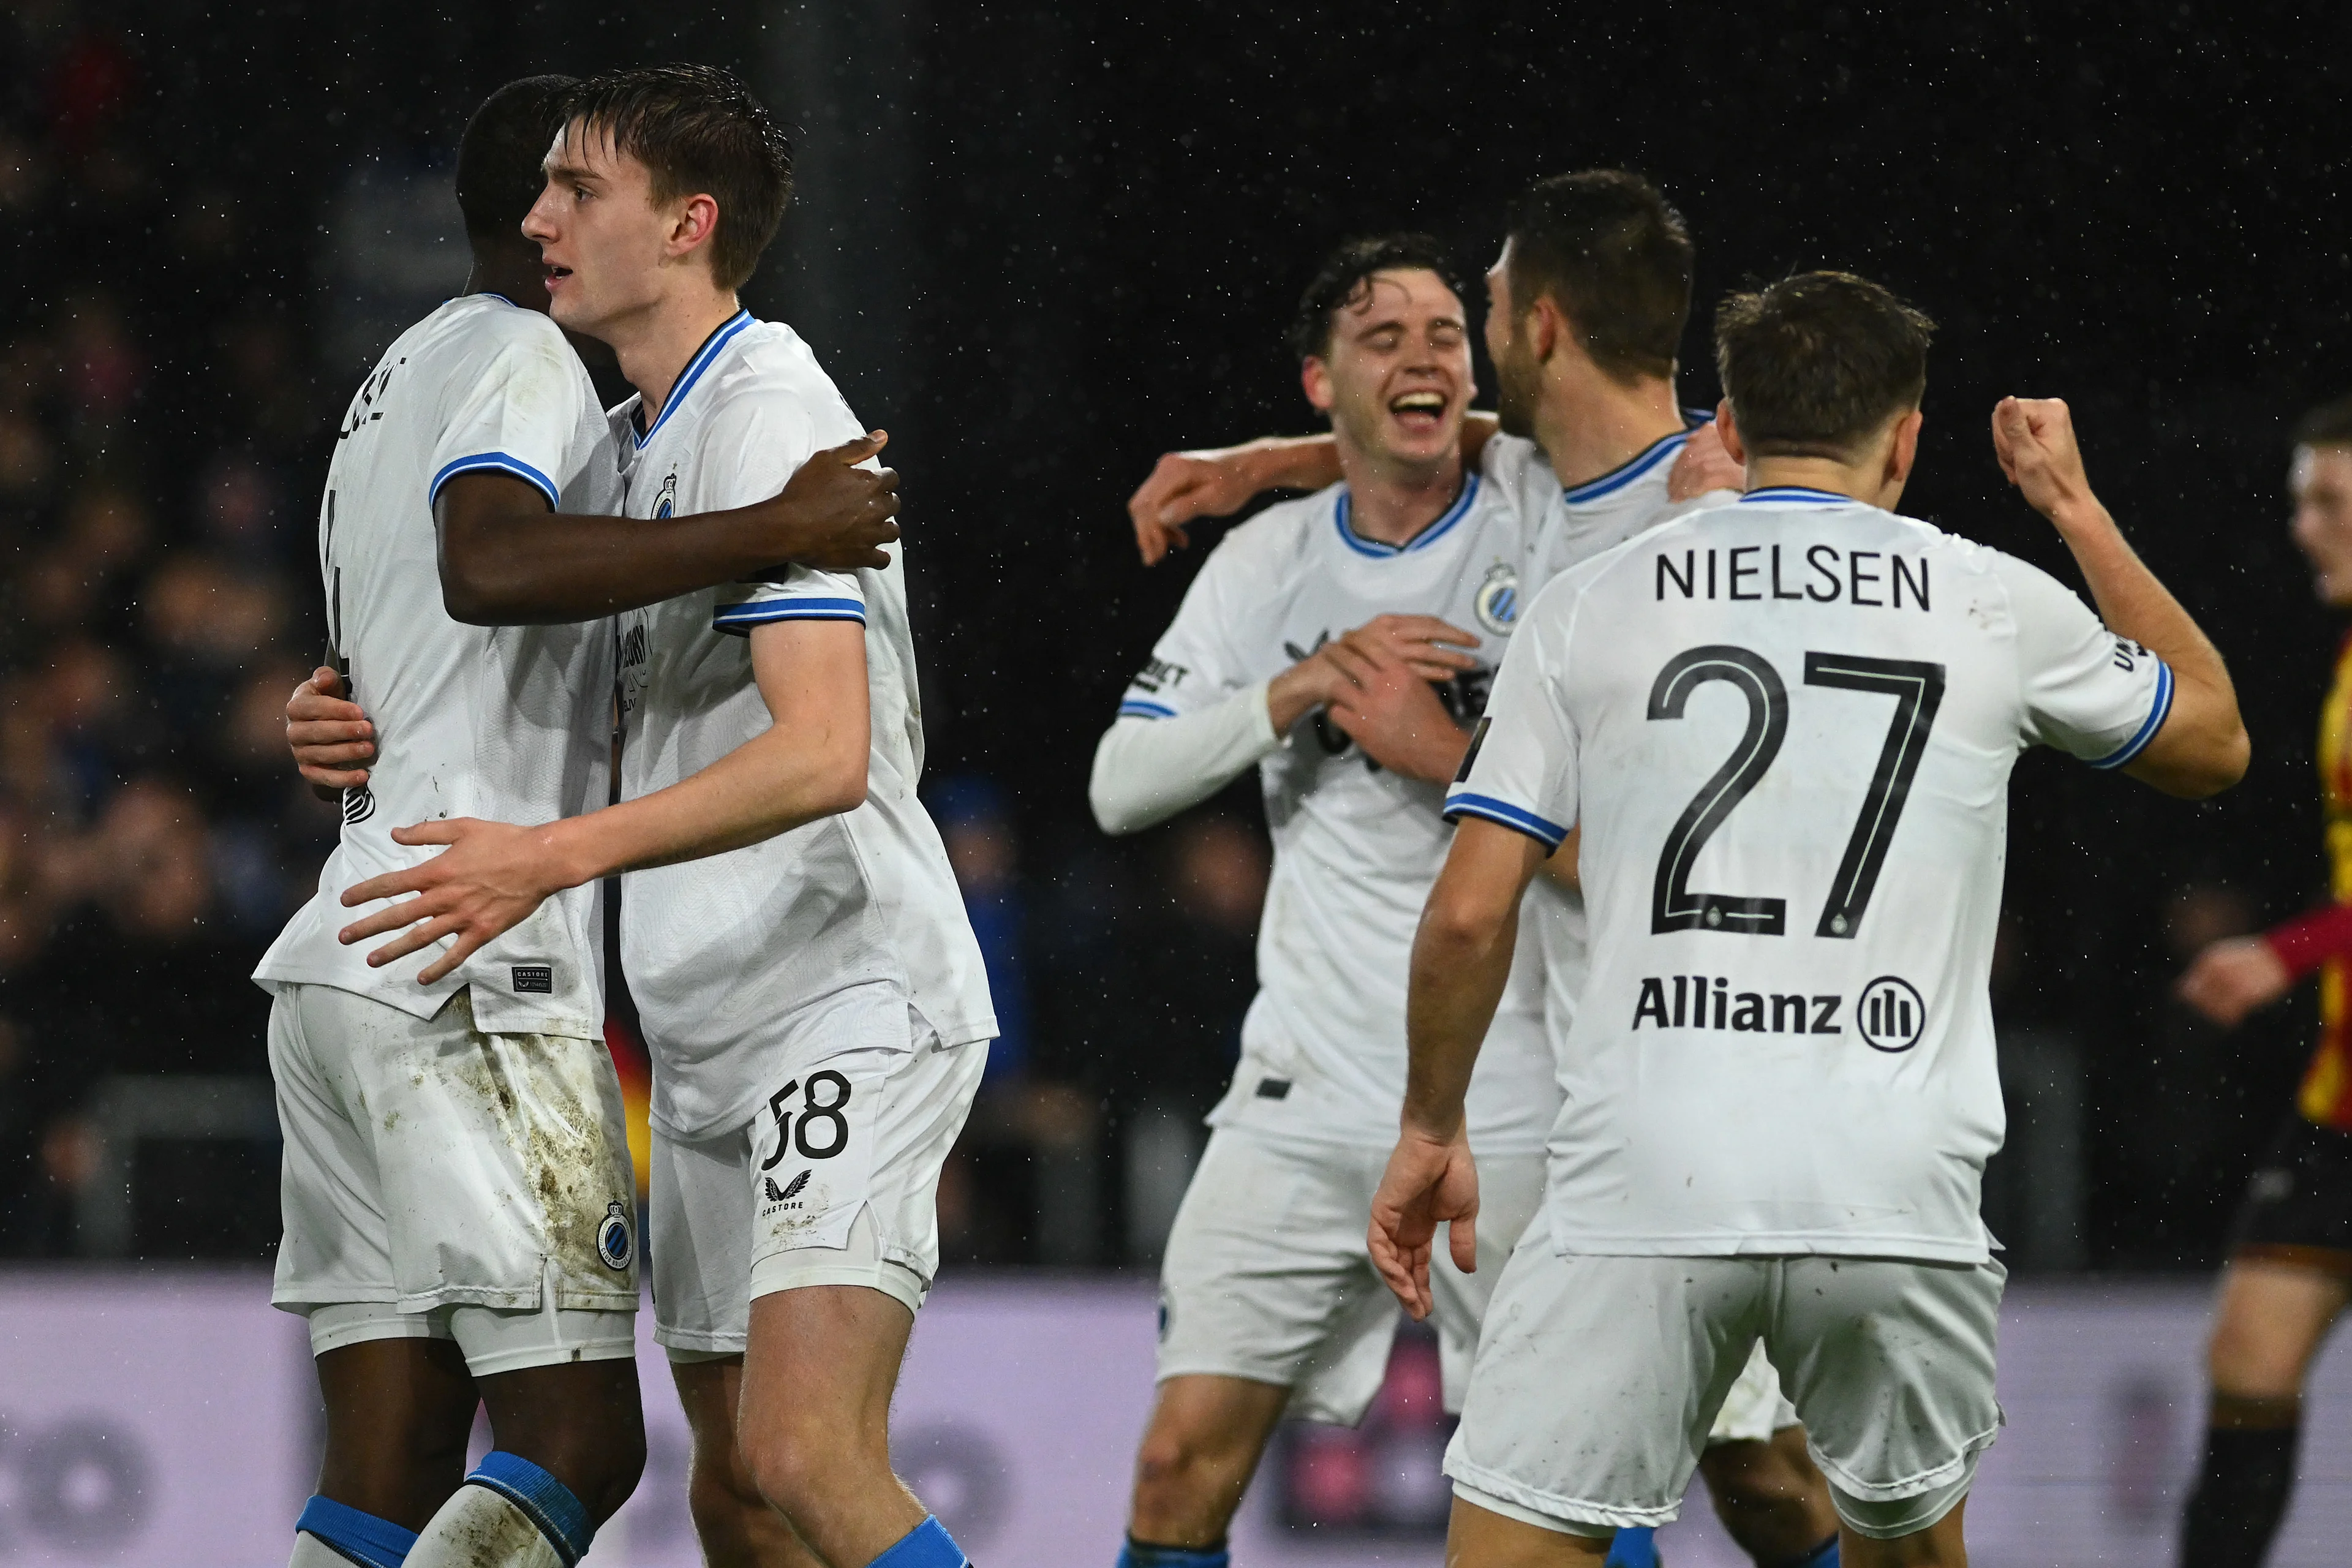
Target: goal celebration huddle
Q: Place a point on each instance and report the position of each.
(1637, 777)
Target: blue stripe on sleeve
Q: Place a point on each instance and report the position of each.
(1135, 708)
(759, 612)
(499, 462)
(1463, 804)
(2157, 712)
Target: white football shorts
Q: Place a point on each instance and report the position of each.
(1755, 1408)
(1268, 1275)
(833, 1181)
(1599, 1377)
(441, 1183)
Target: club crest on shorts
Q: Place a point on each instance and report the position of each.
(1497, 602)
(613, 1243)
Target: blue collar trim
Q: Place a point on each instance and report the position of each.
(720, 336)
(1641, 463)
(1799, 493)
(1428, 536)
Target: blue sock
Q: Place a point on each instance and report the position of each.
(928, 1545)
(362, 1537)
(545, 1500)
(1142, 1554)
(1636, 1548)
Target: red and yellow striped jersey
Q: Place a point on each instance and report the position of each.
(2325, 1097)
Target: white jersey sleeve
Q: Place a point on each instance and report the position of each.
(2084, 690)
(762, 443)
(1520, 769)
(1198, 661)
(520, 416)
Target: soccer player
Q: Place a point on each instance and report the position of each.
(1339, 642)
(1587, 307)
(1785, 726)
(809, 986)
(2289, 1268)
(459, 1211)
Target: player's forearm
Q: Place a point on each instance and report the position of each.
(770, 784)
(1461, 962)
(2205, 721)
(1148, 770)
(1290, 462)
(554, 567)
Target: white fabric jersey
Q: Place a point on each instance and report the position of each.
(734, 945)
(1786, 726)
(503, 723)
(1356, 848)
(1567, 525)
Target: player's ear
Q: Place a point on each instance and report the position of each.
(696, 220)
(1315, 379)
(1904, 449)
(1729, 428)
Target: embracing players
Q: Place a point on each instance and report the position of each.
(2290, 1270)
(460, 1216)
(1587, 307)
(808, 983)
(1785, 728)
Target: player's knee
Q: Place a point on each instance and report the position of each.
(1178, 1470)
(799, 1464)
(2247, 1356)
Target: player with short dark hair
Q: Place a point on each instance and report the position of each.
(460, 1216)
(1784, 727)
(804, 972)
(2289, 1274)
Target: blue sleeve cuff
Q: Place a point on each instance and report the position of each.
(2157, 712)
(1135, 708)
(1462, 804)
(740, 619)
(495, 462)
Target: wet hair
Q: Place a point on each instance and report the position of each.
(1606, 248)
(1346, 276)
(2329, 425)
(499, 158)
(698, 129)
(1817, 363)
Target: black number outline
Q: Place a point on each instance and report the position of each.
(1918, 688)
(1673, 906)
(833, 1113)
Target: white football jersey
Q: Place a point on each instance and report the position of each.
(504, 722)
(1786, 726)
(1356, 848)
(1568, 525)
(735, 946)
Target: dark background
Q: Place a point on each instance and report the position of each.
(1042, 244)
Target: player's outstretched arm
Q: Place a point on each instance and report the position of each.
(330, 735)
(1460, 962)
(2203, 748)
(811, 762)
(1218, 481)
(507, 560)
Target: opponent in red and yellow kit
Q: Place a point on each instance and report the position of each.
(2322, 940)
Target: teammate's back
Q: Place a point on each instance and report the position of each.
(496, 722)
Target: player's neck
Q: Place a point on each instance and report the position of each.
(655, 346)
(513, 276)
(1392, 503)
(1870, 483)
(1587, 423)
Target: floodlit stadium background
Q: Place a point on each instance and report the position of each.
(1041, 247)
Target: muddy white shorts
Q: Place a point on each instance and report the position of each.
(834, 1180)
(1267, 1276)
(428, 1166)
(1598, 1380)
(1755, 1408)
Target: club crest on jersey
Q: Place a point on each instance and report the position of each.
(614, 1245)
(1498, 598)
(667, 502)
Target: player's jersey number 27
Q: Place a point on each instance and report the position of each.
(1918, 691)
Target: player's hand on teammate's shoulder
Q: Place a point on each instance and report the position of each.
(834, 514)
(329, 734)
(2234, 978)
(2034, 437)
(1184, 486)
(486, 880)
(1429, 1182)
(1704, 464)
